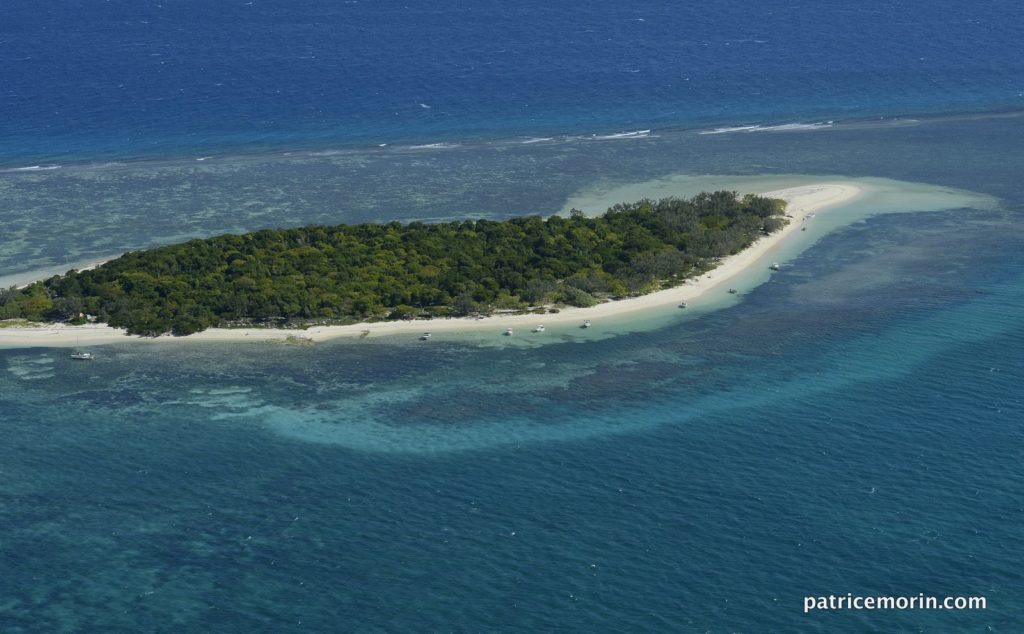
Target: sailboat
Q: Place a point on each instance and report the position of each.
(81, 355)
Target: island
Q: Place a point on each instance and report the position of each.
(59, 311)
(347, 274)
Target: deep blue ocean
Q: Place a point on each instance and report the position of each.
(145, 77)
(853, 425)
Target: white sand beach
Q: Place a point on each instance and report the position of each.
(803, 203)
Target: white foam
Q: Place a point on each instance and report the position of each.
(636, 134)
(742, 128)
(33, 168)
(434, 146)
(784, 127)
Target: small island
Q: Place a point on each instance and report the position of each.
(347, 274)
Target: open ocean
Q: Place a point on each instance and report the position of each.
(853, 425)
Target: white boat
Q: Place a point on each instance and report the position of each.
(425, 336)
(586, 323)
(508, 332)
(83, 356)
(775, 266)
(539, 329)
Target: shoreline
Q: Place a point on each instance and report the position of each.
(803, 203)
(21, 280)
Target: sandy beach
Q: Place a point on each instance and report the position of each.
(803, 203)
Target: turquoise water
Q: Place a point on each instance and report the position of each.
(823, 436)
(851, 425)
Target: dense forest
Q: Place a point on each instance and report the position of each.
(352, 273)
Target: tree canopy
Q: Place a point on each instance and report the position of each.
(366, 272)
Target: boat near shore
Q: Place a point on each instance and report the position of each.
(82, 356)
